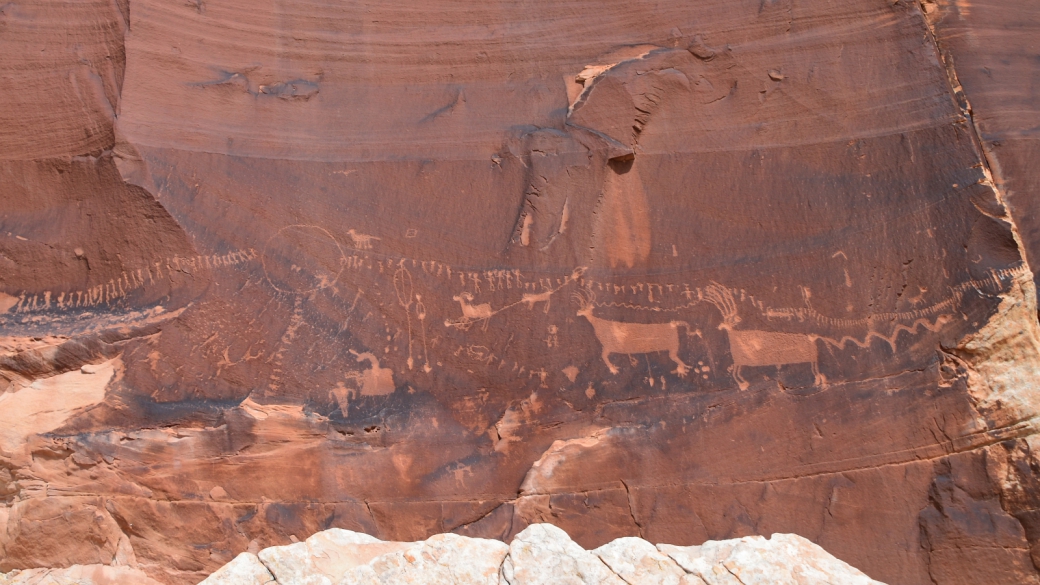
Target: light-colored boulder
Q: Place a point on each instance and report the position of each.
(324, 558)
(543, 553)
(444, 559)
(245, 569)
(784, 559)
(638, 562)
(704, 562)
(79, 575)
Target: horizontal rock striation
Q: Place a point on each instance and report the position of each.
(687, 270)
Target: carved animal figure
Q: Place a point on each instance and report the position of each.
(761, 348)
(376, 381)
(531, 299)
(361, 241)
(480, 312)
(633, 338)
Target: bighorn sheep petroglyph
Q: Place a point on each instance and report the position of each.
(480, 312)
(761, 348)
(633, 338)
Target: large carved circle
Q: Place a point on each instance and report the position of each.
(300, 259)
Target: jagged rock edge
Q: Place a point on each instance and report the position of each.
(692, 561)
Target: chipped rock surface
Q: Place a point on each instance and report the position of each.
(543, 554)
(246, 569)
(443, 559)
(754, 560)
(637, 561)
(323, 558)
(540, 554)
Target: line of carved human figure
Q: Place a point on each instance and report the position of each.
(127, 282)
(748, 347)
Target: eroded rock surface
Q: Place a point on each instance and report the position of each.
(246, 569)
(688, 271)
(82, 575)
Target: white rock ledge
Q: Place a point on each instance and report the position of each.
(541, 554)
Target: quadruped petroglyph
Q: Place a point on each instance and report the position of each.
(635, 338)
(361, 241)
(471, 312)
(602, 318)
(375, 381)
(483, 312)
(607, 327)
(760, 348)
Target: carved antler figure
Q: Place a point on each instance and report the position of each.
(722, 298)
(481, 312)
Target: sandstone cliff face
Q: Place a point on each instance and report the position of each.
(686, 271)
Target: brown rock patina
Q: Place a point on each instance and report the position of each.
(690, 271)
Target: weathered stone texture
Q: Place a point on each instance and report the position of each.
(687, 270)
(542, 553)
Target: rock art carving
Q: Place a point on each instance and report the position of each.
(752, 348)
(749, 348)
(361, 241)
(300, 259)
(531, 299)
(405, 298)
(483, 312)
(471, 312)
(119, 288)
(759, 138)
(634, 338)
(420, 312)
(375, 381)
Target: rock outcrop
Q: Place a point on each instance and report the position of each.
(539, 555)
(687, 270)
(79, 575)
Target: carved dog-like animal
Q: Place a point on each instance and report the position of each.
(633, 338)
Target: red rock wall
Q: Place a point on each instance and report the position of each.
(683, 270)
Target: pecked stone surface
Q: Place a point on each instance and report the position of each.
(689, 271)
(541, 553)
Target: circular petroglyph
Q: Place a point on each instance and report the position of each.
(300, 259)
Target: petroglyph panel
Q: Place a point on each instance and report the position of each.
(713, 263)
